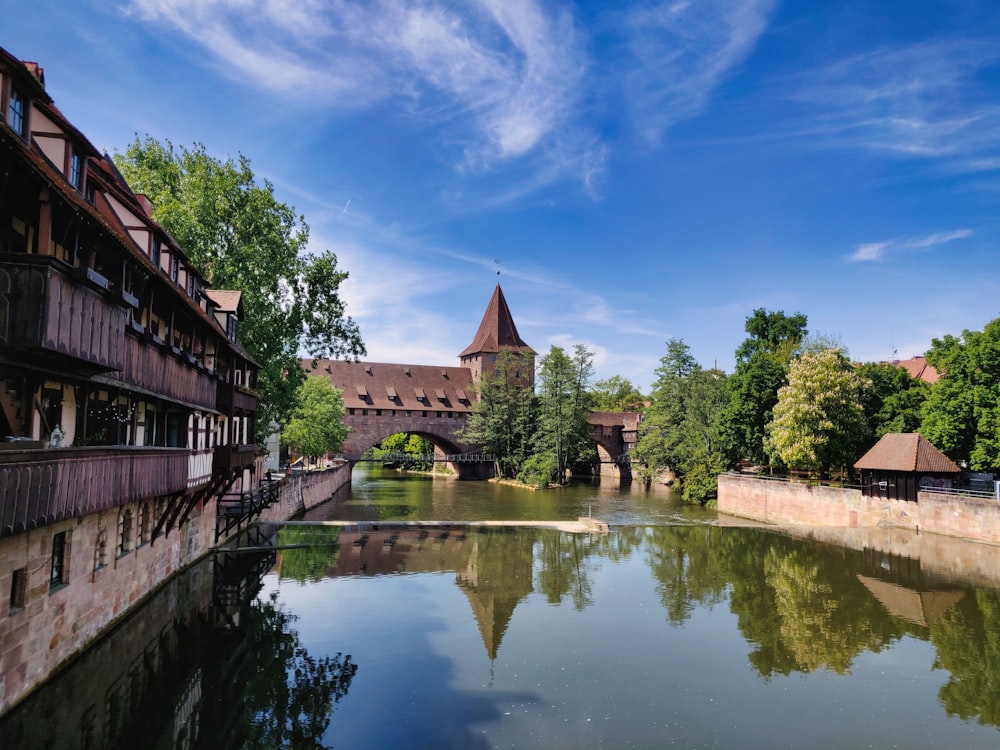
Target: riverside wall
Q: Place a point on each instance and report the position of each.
(800, 504)
(104, 582)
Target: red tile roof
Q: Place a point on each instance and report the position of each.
(910, 452)
(372, 385)
(497, 330)
(919, 369)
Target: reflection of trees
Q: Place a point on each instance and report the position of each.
(687, 571)
(801, 605)
(289, 695)
(967, 639)
(308, 563)
(563, 568)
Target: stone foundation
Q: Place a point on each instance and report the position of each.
(800, 504)
(57, 621)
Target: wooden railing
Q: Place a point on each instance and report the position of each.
(38, 487)
(155, 368)
(230, 399)
(234, 457)
(57, 309)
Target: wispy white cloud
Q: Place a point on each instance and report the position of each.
(682, 51)
(511, 70)
(877, 251)
(923, 100)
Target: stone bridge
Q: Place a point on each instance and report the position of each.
(382, 399)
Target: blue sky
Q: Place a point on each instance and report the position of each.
(641, 170)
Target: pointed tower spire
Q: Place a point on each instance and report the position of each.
(496, 332)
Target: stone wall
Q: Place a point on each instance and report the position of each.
(800, 504)
(58, 621)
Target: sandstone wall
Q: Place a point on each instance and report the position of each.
(58, 621)
(801, 504)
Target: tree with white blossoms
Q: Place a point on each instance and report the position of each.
(818, 422)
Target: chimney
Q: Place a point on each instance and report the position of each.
(36, 70)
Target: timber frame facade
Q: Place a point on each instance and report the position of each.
(127, 403)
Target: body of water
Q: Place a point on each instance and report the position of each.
(672, 630)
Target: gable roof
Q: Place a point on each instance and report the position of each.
(918, 368)
(910, 451)
(497, 330)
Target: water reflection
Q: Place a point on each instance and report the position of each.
(486, 637)
(205, 663)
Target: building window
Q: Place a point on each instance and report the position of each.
(143, 536)
(125, 532)
(155, 253)
(175, 267)
(15, 113)
(18, 587)
(57, 573)
(76, 170)
(351, 411)
(101, 550)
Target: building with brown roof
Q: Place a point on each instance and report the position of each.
(900, 464)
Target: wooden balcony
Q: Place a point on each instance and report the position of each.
(40, 486)
(53, 309)
(155, 368)
(231, 399)
(234, 457)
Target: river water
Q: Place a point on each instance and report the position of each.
(675, 629)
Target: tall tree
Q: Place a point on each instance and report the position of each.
(503, 416)
(563, 407)
(961, 415)
(818, 421)
(240, 236)
(680, 429)
(891, 399)
(316, 425)
(761, 365)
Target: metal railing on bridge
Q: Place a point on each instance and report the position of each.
(427, 458)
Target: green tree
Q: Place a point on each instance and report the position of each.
(563, 408)
(761, 365)
(233, 228)
(961, 415)
(503, 416)
(891, 399)
(680, 428)
(616, 394)
(316, 425)
(818, 421)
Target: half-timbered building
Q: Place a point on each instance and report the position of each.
(127, 404)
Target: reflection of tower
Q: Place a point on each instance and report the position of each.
(498, 576)
(496, 333)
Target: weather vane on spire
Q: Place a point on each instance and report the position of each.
(498, 270)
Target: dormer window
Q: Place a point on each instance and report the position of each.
(231, 327)
(15, 113)
(155, 256)
(76, 170)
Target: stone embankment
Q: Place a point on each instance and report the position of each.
(107, 575)
(799, 504)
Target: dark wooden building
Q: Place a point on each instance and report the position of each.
(899, 465)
